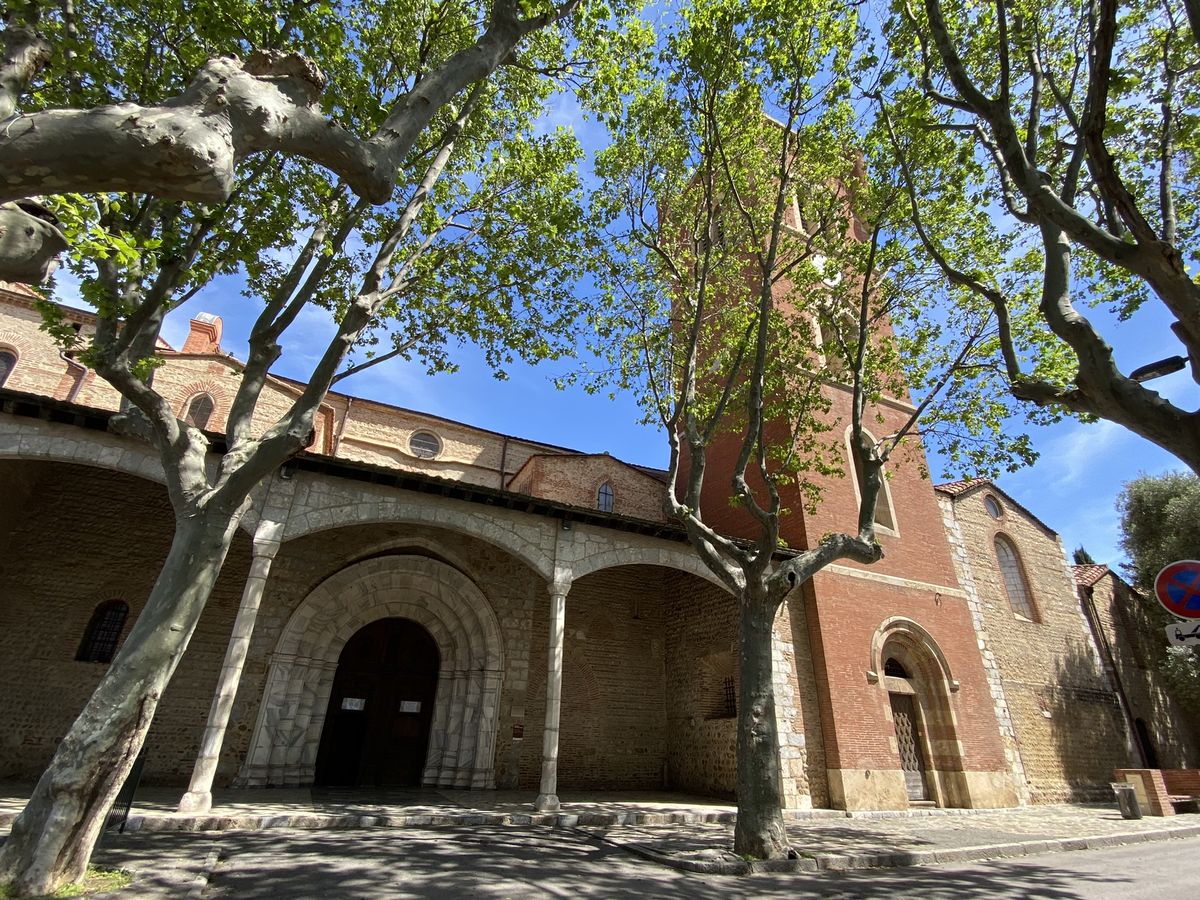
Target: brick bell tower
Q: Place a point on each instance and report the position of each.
(885, 701)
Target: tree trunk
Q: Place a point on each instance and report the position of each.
(53, 838)
(759, 832)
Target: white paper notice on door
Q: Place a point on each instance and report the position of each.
(410, 706)
(354, 703)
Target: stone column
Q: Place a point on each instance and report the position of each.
(547, 798)
(198, 798)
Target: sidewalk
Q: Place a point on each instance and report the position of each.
(886, 841)
(688, 833)
(257, 808)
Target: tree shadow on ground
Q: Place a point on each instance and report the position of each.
(496, 861)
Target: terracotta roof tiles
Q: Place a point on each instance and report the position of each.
(954, 488)
(1088, 575)
(16, 288)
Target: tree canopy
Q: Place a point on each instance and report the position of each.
(1159, 526)
(1160, 523)
(386, 162)
(765, 309)
(1049, 151)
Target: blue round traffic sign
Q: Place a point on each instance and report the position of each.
(1177, 588)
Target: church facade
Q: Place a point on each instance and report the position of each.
(416, 601)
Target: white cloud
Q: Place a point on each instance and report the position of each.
(1075, 453)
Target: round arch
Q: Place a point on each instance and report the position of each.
(680, 560)
(287, 734)
(80, 448)
(95, 450)
(911, 634)
(530, 542)
(929, 684)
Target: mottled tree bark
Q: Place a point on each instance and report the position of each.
(188, 146)
(52, 839)
(759, 832)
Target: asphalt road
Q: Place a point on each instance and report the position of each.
(524, 864)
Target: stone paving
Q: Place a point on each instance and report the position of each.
(690, 833)
(918, 838)
(254, 808)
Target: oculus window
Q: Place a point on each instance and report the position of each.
(425, 444)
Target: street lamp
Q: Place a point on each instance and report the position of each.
(1158, 369)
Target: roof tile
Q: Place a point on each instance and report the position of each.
(1088, 575)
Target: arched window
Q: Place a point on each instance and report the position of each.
(1015, 584)
(894, 668)
(605, 497)
(885, 515)
(103, 632)
(8, 362)
(199, 411)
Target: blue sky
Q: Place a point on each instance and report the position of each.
(1073, 487)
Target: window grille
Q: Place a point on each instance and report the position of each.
(199, 411)
(425, 444)
(103, 632)
(730, 698)
(8, 362)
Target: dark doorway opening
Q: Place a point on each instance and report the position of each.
(376, 731)
(1149, 754)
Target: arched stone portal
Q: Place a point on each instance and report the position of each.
(918, 682)
(287, 735)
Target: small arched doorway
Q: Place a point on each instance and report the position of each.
(923, 734)
(1149, 754)
(380, 709)
(909, 739)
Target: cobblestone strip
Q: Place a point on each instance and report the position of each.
(200, 883)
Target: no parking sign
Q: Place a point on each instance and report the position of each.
(1177, 588)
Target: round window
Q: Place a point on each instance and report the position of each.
(425, 444)
(992, 505)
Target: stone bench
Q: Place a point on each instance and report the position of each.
(1164, 792)
(1183, 788)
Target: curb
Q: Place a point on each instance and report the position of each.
(200, 881)
(842, 862)
(191, 823)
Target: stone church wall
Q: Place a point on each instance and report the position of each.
(107, 535)
(1136, 658)
(804, 760)
(1069, 729)
(613, 733)
(700, 625)
(509, 587)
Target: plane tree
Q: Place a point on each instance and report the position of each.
(387, 162)
(1159, 526)
(756, 276)
(1049, 151)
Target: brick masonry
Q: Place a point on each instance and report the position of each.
(67, 514)
(650, 640)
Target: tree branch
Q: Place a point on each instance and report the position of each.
(24, 52)
(187, 147)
